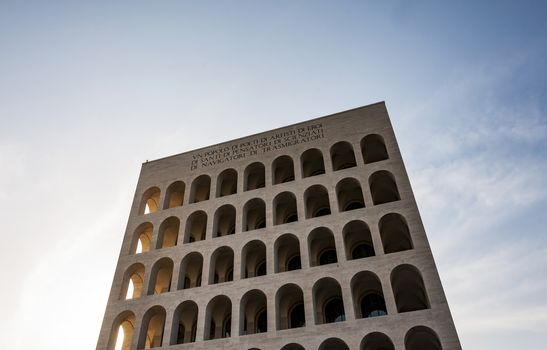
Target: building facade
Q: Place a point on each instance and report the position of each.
(303, 237)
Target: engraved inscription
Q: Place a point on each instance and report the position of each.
(257, 146)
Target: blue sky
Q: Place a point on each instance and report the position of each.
(90, 90)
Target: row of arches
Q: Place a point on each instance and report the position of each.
(312, 163)
(327, 300)
(322, 250)
(284, 209)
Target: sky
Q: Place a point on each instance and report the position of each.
(90, 90)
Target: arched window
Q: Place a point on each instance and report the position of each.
(153, 322)
(327, 301)
(368, 298)
(218, 316)
(227, 183)
(222, 265)
(190, 271)
(333, 344)
(373, 148)
(282, 170)
(225, 221)
(420, 338)
(350, 195)
(376, 341)
(383, 187)
(174, 196)
(255, 176)
(321, 246)
(196, 226)
(201, 188)
(184, 323)
(122, 331)
(293, 346)
(357, 240)
(284, 206)
(142, 241)
(342, 156)
(132, 282)
(253, 259)
(316, 200)
(408, 289)
(287, 253)
(253, 313)
(161, 273)
(254, 215)
(312, 163)
(169, 232)
(289, 303)
(395, 233)
(150, 201)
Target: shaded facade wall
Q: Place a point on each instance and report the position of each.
(322, 133)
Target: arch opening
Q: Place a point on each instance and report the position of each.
(342, 156)
(174, 196)
(184, 324)
(142, 241)
(327, 301)
(282, 170)
(368, 297)
(373, 148)
(196, 226)
(122, 331)
(201, 187)
(312, 163)
(222, 265)
(383, 187)
(225, 221)
(190, 271)
(132, 282)
(333, 344)
(253, 259)
(408, 289)
(316, 201)
(218, 318)
(150, 201)
(394, 233)
(422, 338)
(227, 183)
(160, 278)
(169, 232)
(254, 215)
(255, 176)
(284, 206)
(357, 240)
(153, 324)
(322, 249)
(287, 253)
(349, 194)
(253, 313)
(376, 341)
(289, 303)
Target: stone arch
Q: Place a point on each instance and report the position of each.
(357, 240)
(287, 253)
(153, 323)
(368, 297)
(160, 276)
(282, 170)
(150, 201)
(132, 282)
(224, 223)
(142, 238)
(422, 338)
(191, 268)
(227, 183)
(327, 301)
(201, 188)
(289, 306)
(218, 316)
(342, 156)
(184, 324)
(333, 344)
(253, 313)
(312, 163)
(253, 259)
(254, 214)
(254, 176)
(316, 201)
(394, 233)
(196, 227)
(383, 187)
(376, 341)
(169, 232)
(221, 268)
(174, 195)
(408, 289)
(121, 334)
(284, 208)
(322, 249)
(373, 148)
(349, 194)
